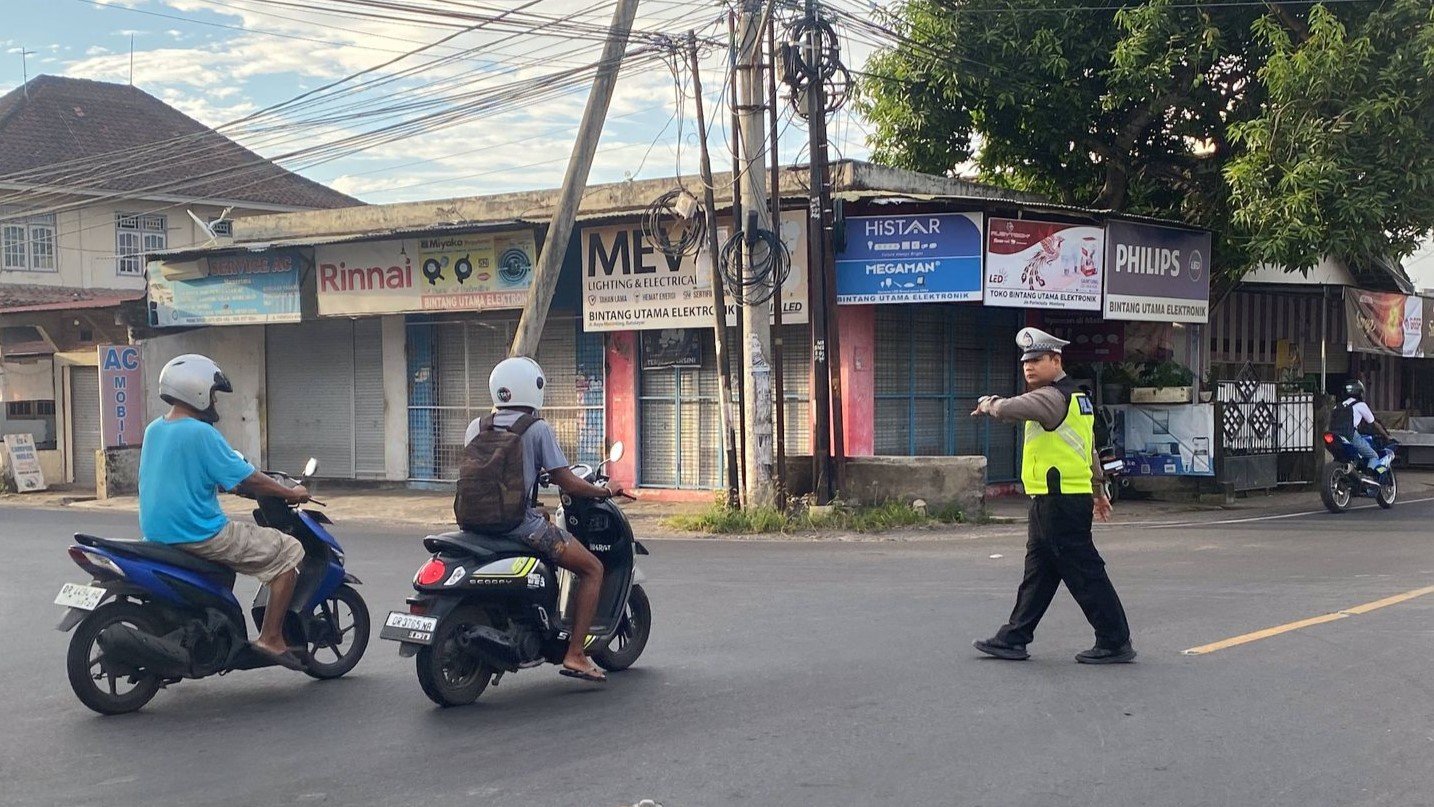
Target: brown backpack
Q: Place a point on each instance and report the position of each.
(492, 497)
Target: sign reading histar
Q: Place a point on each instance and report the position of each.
(924, 257)
(1157, 274)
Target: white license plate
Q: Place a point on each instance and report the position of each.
(75, 595)
(405, 627)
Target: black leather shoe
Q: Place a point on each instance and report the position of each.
(1000, 649)
(1104, 655)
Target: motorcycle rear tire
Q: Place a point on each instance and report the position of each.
(623, 649)
(1388, 491)
(444, 668)
(1331, 481)
(80, 660)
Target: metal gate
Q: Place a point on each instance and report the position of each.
(678, 416)
(85, 422)
(449, 362)
(324, 383)
(1267, 433)
(932, 362)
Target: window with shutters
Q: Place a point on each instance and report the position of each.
(27, 244)
(137, 235)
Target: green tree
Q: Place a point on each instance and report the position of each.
(1293, 131)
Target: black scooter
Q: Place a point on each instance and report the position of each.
(487, 606)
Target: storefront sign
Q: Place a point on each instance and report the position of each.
(121, 396)
(1166, 440)
(920, 258)
(630, 286)
(24, 463)
(442, 273)
(671, 347)
(1043, 264)
(248, 289)
(1157, 274)
(1392, 324)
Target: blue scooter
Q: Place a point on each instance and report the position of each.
(1347, 476)
(156, 614)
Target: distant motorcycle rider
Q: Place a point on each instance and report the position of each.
(1349, 419)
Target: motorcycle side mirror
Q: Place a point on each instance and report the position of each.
(615, 453)
(310, 467)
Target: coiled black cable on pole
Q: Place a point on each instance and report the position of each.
(675, 224)
(770, 264)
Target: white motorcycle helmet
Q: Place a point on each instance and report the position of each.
(517, 382)
(193, 380)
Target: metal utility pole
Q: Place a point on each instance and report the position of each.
(779, 381)
(822, 475)
(719, 294)
(736, 148)
(759, 459)
(560, 229)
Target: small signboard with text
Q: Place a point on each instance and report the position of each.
(1156, 274)
(257, 288)
(917, 258)
(1044, 264)
(121, 396)
(24, 463)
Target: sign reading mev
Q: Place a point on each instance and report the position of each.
(1157, 274)
(630, 286)
(121, 396)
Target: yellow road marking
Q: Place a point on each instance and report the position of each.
(1305, 623)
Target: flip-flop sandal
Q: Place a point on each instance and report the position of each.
(285, 659)
(584, 675)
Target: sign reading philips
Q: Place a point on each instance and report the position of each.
(918, 258)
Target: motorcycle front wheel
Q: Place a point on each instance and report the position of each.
(449, 674)
(1388, 490)
(622, 650)
(1334, 488)
(91, 675)
(341, 634)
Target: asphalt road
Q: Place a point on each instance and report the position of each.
(803, 673)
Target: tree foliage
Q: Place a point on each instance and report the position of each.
(1293, 131)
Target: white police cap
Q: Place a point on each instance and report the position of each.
(1034, 342)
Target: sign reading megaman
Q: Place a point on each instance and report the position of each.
(1043, 264)
(121, 396)
(918, 258)
(462, 272)
(1156, 274)
(629, 286)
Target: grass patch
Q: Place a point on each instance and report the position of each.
(722, 520)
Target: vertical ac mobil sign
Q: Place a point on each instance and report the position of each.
(121, 396)
(917, 258)
(1156, 274)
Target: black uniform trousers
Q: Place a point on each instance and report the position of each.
(1059, 549)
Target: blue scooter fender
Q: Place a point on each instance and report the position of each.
(113, 588)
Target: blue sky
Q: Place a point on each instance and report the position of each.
(218, 60)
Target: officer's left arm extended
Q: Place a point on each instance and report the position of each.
(1046, 406)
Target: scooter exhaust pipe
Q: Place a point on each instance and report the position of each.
(135, 648)
(492, 645)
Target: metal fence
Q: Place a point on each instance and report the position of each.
(1267, 433)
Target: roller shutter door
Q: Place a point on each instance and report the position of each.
(85, 422)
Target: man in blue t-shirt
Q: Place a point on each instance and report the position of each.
(183, 463)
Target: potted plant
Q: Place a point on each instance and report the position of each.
(1164, 382)
(1115, 381)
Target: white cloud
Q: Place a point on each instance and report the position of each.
(96, 50)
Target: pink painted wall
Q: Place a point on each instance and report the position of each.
(857, 326)
(622, 403)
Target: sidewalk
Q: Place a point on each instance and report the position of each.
(410, 511)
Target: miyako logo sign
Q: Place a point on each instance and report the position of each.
(1157, 274)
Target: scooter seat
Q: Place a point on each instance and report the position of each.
(160, 553)
(476, 544)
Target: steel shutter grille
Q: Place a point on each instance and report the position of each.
(85, 421)
(310, 394)
(369, 435)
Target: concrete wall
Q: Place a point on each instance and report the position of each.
(395, 399)
(857, 327)
(117, 472)
(621, 404)
(940, 481)
(240, 351)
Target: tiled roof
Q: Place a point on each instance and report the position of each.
(16, 297)
(54, 120)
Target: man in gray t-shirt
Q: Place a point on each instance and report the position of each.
(517, 384)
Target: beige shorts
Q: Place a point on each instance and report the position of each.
(261, 552)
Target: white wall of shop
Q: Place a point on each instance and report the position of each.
(395, 398)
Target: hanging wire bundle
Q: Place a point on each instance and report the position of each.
(675, 224)
(799, 74)
(768, 261)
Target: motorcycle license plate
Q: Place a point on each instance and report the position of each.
(402, 626)
(75, 595)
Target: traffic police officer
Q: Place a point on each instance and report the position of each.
(1062, 475)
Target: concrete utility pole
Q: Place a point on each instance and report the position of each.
(759, 459)
(560, 229)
